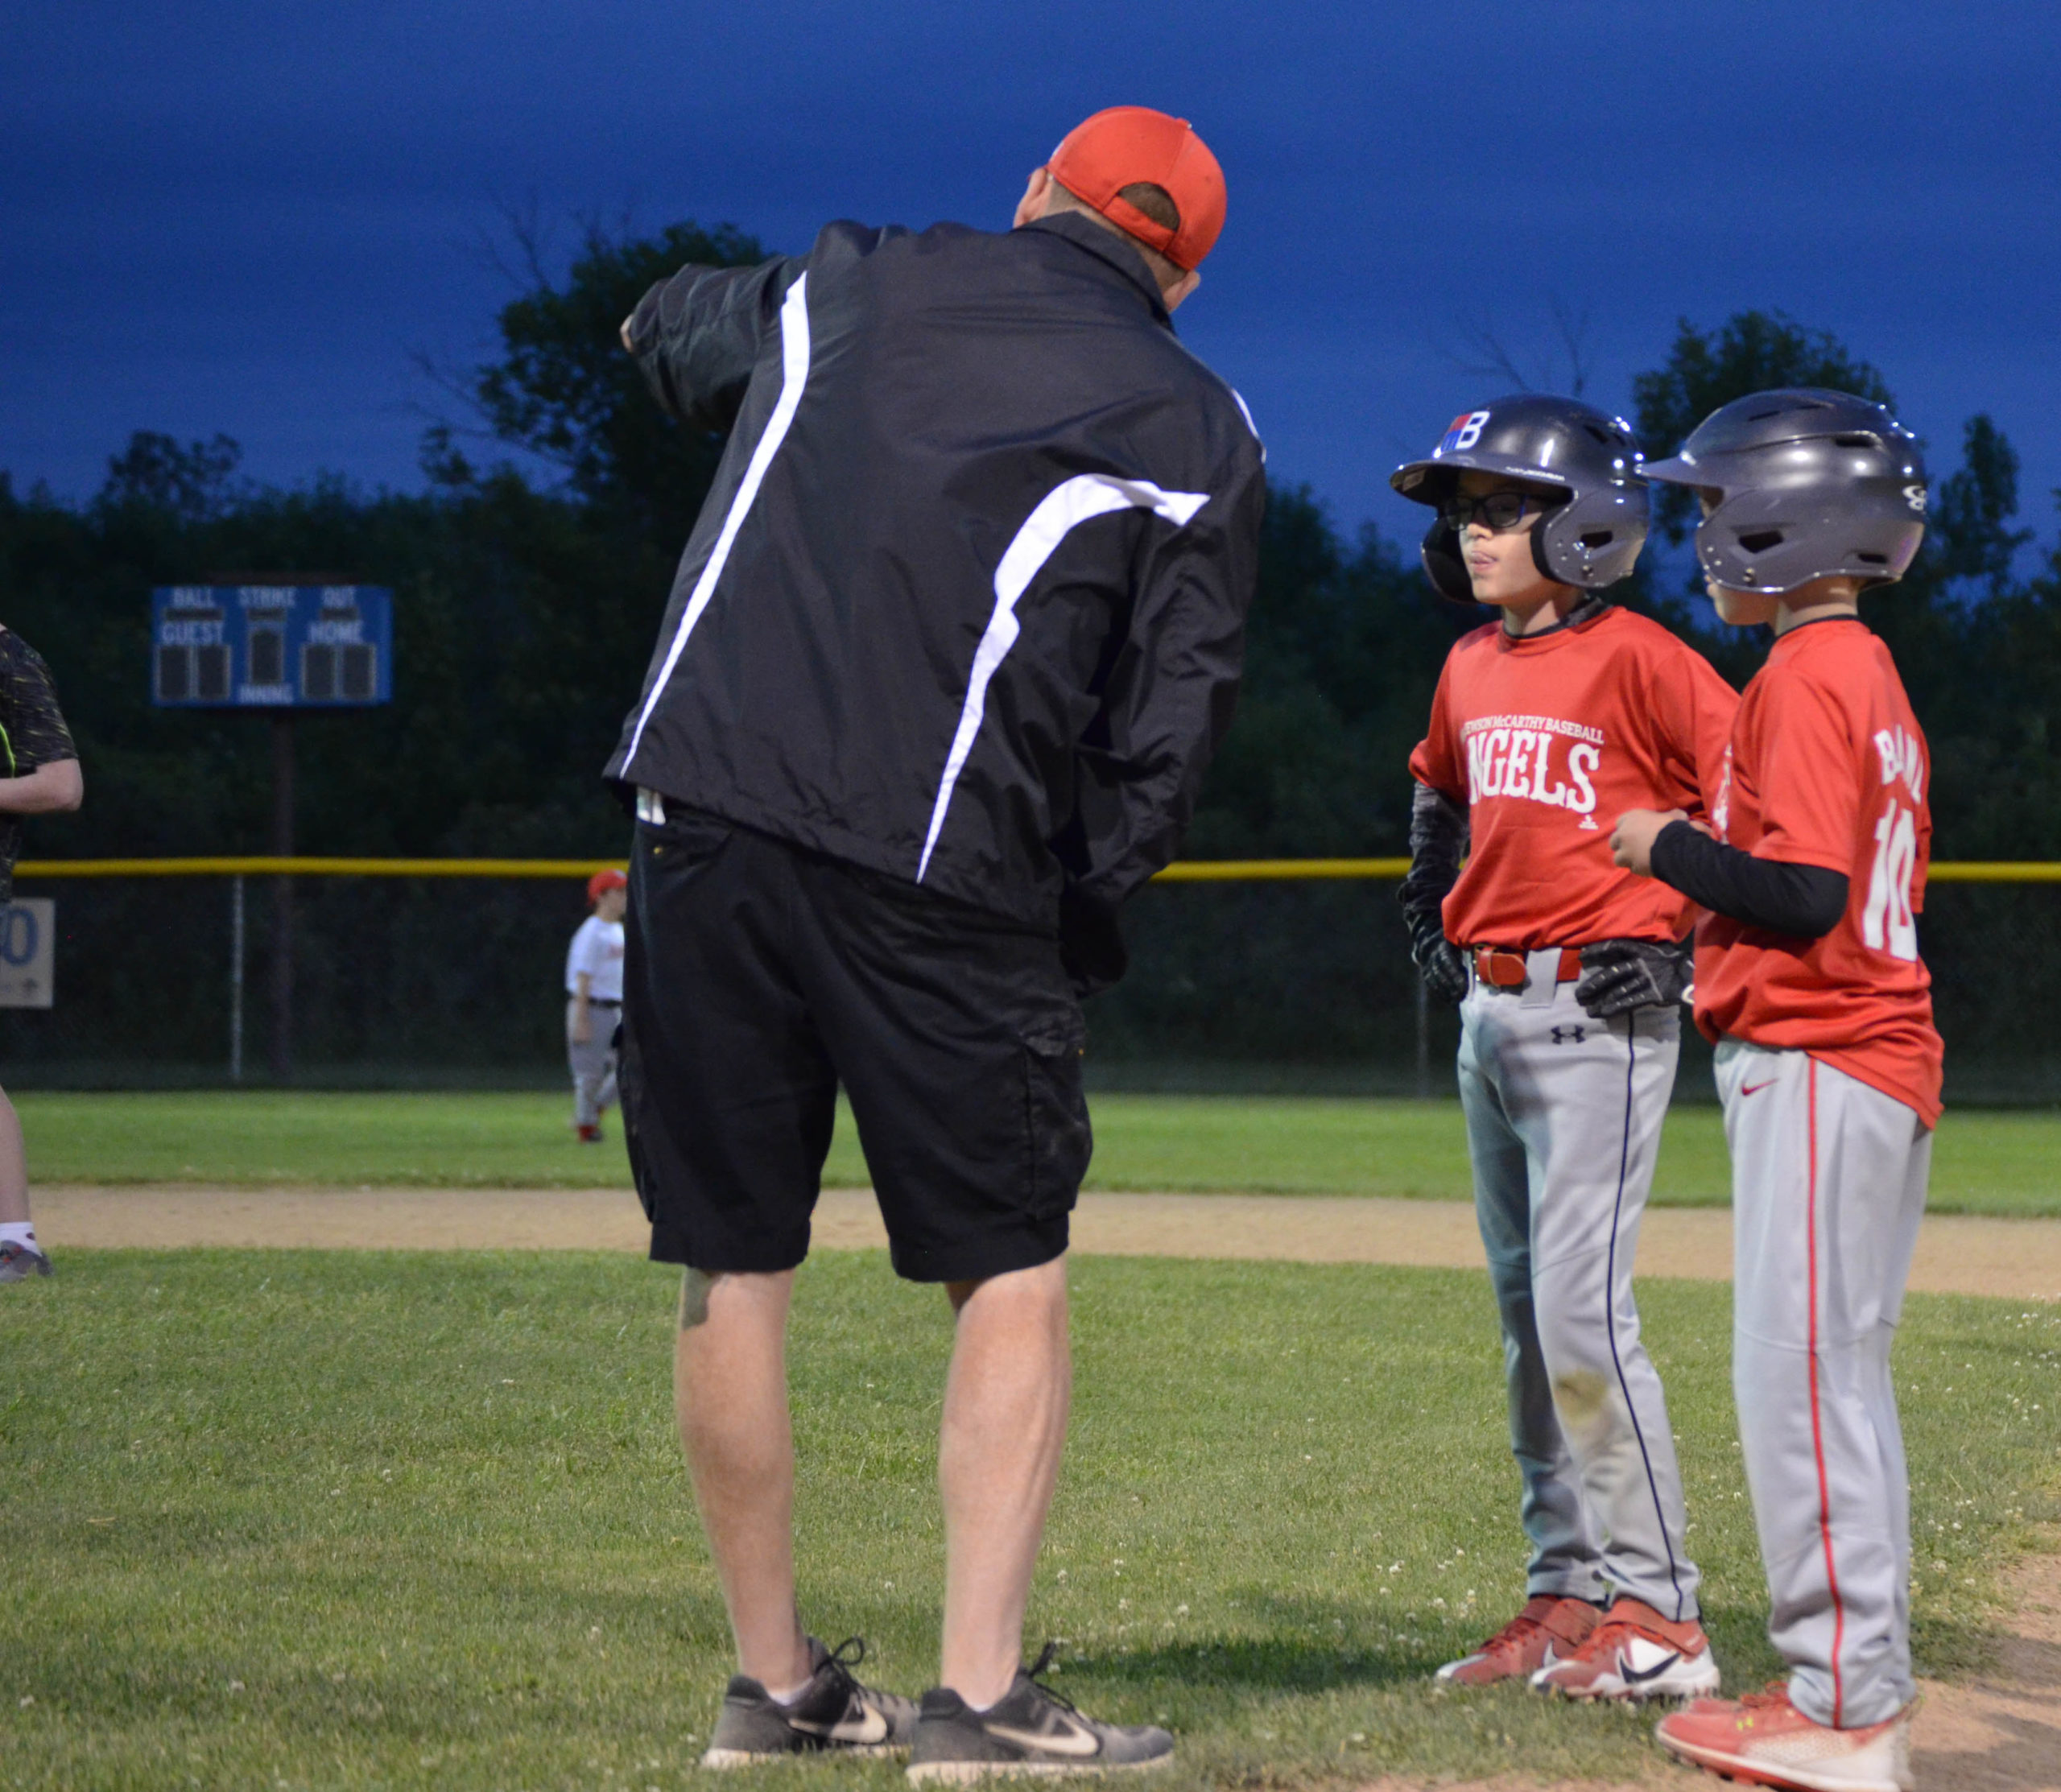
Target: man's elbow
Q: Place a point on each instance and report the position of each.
(67, 785)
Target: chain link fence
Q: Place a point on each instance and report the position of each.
(1269, 979)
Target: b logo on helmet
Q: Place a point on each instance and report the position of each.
(1464, 432)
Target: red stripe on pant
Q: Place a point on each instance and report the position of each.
(1817, 1427)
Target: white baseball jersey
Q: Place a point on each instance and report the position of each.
(597, 951)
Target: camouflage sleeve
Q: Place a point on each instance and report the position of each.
(32, 730)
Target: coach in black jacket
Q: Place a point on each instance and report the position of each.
(949, 648)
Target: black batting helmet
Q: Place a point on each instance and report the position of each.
(1591, 539)
(1803, 484)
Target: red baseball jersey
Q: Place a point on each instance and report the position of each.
(1828, 767)
(1548, 741)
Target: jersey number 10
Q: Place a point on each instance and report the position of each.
(1887, 920)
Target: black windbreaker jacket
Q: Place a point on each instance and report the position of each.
(966, 604)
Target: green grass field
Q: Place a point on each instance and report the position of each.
(297, 1519)
(2003, 1162)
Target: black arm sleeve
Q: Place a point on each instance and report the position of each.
(697, 336)
(1805, 901)
(1437, 842)
(1171, 686)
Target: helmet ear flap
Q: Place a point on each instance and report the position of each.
(1444, 565)
(1537, 534)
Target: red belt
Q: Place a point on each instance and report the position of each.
(1503, 969)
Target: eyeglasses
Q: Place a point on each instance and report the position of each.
(1497, 511)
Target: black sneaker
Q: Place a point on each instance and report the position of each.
(18, 1262)
(834, 1712)
(1030, 1731)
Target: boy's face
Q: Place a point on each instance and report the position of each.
(611, 904)
(1743, 609)
(1498, 561)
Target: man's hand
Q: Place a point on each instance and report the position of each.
(1631, 841)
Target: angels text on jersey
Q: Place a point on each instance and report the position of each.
(1537, 758)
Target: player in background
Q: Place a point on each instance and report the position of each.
(594, 1002)
(1809, 980)
(39, 775)
(1568, 971)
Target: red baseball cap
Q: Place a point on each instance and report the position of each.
(602, 881)
(1106, 153)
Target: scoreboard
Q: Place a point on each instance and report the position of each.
(271, 647)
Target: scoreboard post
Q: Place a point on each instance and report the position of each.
(280, 645)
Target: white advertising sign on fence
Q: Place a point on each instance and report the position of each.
(28, 953)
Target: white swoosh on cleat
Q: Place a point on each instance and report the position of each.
(1073, 1741)
(871, 1729)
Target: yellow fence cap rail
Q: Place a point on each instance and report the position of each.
(258, 866)
(1186, 871)
(1995, 871)
(1211, 871)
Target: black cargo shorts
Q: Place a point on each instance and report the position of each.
(758, 975)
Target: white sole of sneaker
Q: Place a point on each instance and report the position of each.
(720, 1758)
(1692, 1679)
(969, 1772)
(1760, 1773)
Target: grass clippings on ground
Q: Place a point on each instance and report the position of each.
(296, 1519)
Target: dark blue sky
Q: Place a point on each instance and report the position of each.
(243, 217)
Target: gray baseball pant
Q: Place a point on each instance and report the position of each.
(1563, 1115)
(1827, 1187)
(593, 1063)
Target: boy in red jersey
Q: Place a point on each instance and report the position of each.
(1808, 979)
(1568, 971)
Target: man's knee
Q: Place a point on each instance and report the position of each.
(1040, 1288)
(750, 1296)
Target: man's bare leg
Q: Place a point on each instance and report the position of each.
(14, 1167)
(998, 1460)
(730, 1393)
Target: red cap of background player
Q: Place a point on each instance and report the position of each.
(604, 880)
(1101, 156)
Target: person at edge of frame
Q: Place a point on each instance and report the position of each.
(1809, 983)
(594, 1002)
(1569, 972)
(953, 639)
(39, 774)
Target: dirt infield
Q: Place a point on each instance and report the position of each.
(2013, 1259)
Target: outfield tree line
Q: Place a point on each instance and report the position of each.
(529, 590)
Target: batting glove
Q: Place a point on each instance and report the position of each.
(1620, 975)
(1438, 961)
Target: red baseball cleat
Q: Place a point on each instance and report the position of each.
(1549, 1629)
(588, 1135)
(1635, 1654)
(1765, 1740)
